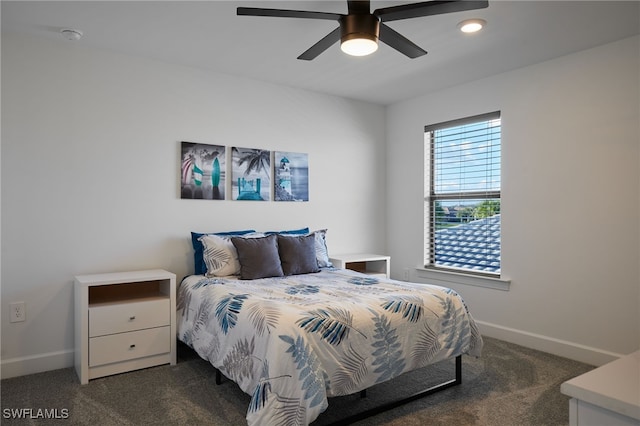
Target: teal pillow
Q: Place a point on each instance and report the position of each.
(301, 231)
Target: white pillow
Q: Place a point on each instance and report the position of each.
(220, 256)
(322, 253)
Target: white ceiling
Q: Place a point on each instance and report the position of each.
(209, 35)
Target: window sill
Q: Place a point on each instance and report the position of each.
(446, 278)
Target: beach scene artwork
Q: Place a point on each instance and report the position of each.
(291, 176)
(251, 173)
(203, 171)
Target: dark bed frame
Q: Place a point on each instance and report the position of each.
(393, 404)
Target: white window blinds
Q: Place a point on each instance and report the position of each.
(462, 201)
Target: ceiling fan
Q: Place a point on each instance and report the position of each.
(360, 30)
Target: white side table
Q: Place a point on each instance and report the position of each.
(608, 395)
(124, 321)
(371, 264)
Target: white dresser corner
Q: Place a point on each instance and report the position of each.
(608, 395)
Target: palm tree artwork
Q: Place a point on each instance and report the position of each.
(251, 170)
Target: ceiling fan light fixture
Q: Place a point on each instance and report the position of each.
(359, 34)
(361, 29)
(472, 25)
(359, 46)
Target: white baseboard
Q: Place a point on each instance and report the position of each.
(21, 366)
(563, 348)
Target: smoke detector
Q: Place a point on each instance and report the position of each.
(71, 34)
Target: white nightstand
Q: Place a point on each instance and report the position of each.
(608, 395)
(124, 321)
(371, 264)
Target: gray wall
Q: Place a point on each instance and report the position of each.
(90, 183)
(570, 199)
(90, 175)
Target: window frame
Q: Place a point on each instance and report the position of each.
(432, 198)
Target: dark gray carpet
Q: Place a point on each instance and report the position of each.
(508, 385)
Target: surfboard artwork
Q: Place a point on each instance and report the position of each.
(202, 171)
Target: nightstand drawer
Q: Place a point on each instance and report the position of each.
(126, 346)
(122, 317)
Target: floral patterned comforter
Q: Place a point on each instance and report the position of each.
(291, 342)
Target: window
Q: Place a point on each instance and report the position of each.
(462, 195)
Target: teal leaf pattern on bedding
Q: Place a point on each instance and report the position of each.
(211, 348)
(303, 289)
(452, 319)
(239, 362)
(261, 393)
(228, 309)
(308, 366)
(353, 369)
(331, 324)
(290, 412)
(387, 352)
(292, 342)
(202, 316)
(208, 281)
(183, 296)
(364, 280)
(263, 316)
(410, 307)
(426, 346)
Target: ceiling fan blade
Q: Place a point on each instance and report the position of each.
(400, 42)
(426, 8)
(285, 13)
(321, 46)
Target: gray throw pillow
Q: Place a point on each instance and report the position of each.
(258, 257)
(298, 254)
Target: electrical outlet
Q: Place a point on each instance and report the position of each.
(17, 312)
(407, 274)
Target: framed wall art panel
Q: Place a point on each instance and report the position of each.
(251, 173)
(203, 171)
(291, 176)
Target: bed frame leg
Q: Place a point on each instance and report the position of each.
(394, 404)
(218, 377)
(363, 393)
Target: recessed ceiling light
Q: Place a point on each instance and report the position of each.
(472, 25)
(71, 34)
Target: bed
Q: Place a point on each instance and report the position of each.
(292, 340)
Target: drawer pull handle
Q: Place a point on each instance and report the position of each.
(132, 318)
(132, 346)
